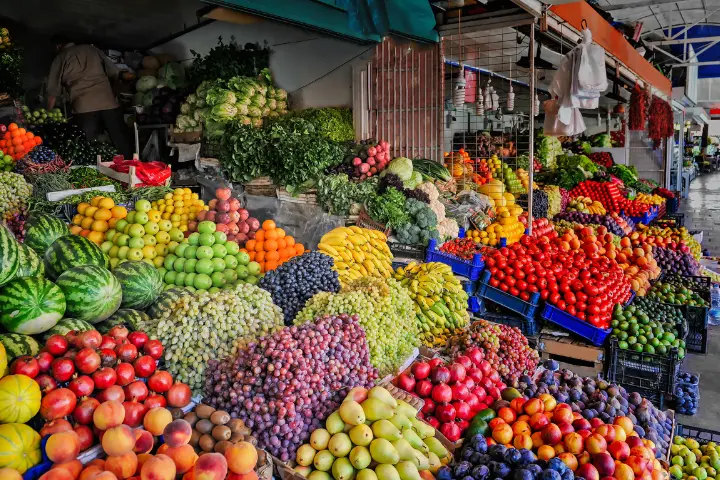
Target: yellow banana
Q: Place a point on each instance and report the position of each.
(329, 249)
(358, 256)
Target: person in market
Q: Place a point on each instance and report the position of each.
(85, 73)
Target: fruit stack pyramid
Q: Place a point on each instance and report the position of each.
(507, 223)
(94, 219)
(272, 246)
(142, 235)
(16, 141)
(371, 436)
(358, 252)
(180, 207)
(512, 182)
(225, 210)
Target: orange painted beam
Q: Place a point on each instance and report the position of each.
(612, 41)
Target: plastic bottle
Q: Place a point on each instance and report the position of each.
(715, 305)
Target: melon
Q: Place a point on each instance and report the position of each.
(9, 260)
(29, 264)
(165, 301)
(66, 325)
(72, 251)
(17, 345)
(91, 292)
(132, 319)
(42, 230)
(19, 447)
(19, 399)
(30, 305)
(141, 283)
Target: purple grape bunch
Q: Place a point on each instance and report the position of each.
(284, 385)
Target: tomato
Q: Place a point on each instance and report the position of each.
(521, 285)
(544, 294)
(560, 304)
(525, 296)
(514, 291)
(570, 310)
(504, 287)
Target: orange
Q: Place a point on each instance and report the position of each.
(262, 267)
(112, 222)
(260, 257)
(38, 140)
(102, 214)
(29, 135)
(299, 249)
(271, 235)
(90, 211)
(289, 241)
(250, 245)
(283, 254)
(271, 265)
(272, 256)
(81, 207)
(289, 252)
(75, 229)
(16, 141)
(12, 127)
(87, 222)
(95, 201)
(84, 233)
(99, 226)
(106, 203)
(77, 219)
(252, 256)
(259, 247)
(21, 131)
(268, 225)
(96, 237)
(260, 235)
(271, 245)
(280, 232)
(281, 243)
(119, 211)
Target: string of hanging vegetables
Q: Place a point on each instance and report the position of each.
(660, 125)
(638, 108)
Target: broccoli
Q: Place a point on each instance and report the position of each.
(422, 226)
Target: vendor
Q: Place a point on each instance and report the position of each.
(85, 73)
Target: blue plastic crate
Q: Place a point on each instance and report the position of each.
(671, 205)
(469, 287)
(594, 335)
(505, 299)
(474, 304)
(632, 297)
(466, 268)
(528, 326)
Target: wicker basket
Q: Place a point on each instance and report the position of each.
(307, 198)
(262, 187)
(364, 221)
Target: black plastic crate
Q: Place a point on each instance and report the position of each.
(528, 326)
(675, 220)
(647, 371)
(702, 435)
(401, 250)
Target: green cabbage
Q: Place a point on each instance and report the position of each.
(214, 129)
(183, 122)
(254, 111)
(280, 94)
(191, 99)
(402, 167)
(415, 180)
(185, 108)
(259, 100)
(146, 83)
(223, 112)
(216, 96)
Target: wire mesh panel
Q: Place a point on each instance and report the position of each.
(404, 84)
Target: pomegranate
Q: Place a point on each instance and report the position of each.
(25, 365)
(445, 413)
(160, 381)
(83, 413)
(88, 339)
(119, 332)
(56, 426)
(127, 352)
(144, 366)
(139, 339)
(460, 392)
(154, 348)
(62, 369)
(457, 372)
(440, 375)
(46, 383)
(87, 439)
(125, 374)
(115, 393)
(435, 362)
(406, 382)
(107, 342)
(71, 336)
(179, 395)
(464, 361)
(420, 370)
(134, 413)
(57, 404)
(155, 400)
(451, 430)
(44, 360)
(57, 345)
(108, 357)
(428, 407)
(82, 386)
(87, 360)
(475, 355)
(423, 388)
(463, 410)
(104, 378)
(442, 393)
(137, 391)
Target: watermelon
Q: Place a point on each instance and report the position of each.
(42, 230)
(9, 260)
(66, 325)
(166, 301)
(17, 345)
(132, 319)
(30, 305)
(141, 283)
(72, 251)
(92, 293)
(29, 264)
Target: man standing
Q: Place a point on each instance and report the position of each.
(85, 73)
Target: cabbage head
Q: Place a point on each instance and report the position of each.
(266, 111)
(281, 105)
(201, 103)
(138, 98)
(214, 129)
(223, 112)
(183, 122)
(254, 112)
(402, 167)
(272, 104)
(259, 100)
(200, 114)
(185, 109)
(216, 96)
(280, 94)
(242, 109)
(191, 99)
(415, 180)
(146, 83)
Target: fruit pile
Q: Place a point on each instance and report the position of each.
(467, 247)
(369, 158)
(587, 218)
(214, 431)
(540, 227)
(540, 204)
(506, 348)
(358, 252)
(440, 301)
(321, 358)
(677, 262)
(294, 282)
(384, 440)
(453, 393)
(650, 199)
(610, 196)
(271, 247)
(687, 393)
(385, 311)
(180, 207)
(226, 210)
(649, 327)
(507, 224)
(97, 217)
(14, 193)
(685, 455)
(586, 205)
(658, 237)
(16, 141)
(41, 116)
(676, 294)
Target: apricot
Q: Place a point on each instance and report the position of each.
(211, 466)
(144, 441)
(104, 476)
(241, 457)
(253, 476)
(90, 472)
(57, 474)
(159, 467)
(156, 420)
(109, 414)
(142, 458)
(118, 440)
(163, 448)
(177, 432)
(10, 474)
(545, 452)
(183, 456)
(123, 466)
(63, 447)
(73, 466)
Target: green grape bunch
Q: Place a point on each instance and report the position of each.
(14, 193)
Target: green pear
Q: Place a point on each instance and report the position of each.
(323, 460)
(304, 471)
(342, 469)
(382, 451)
(360, 457)
(361, 435)
(404, 449)
(319, 439)
(415, 441)
(366, 474)
(334, 423)
(406, 409)
(422, 428)
(422, 461)
(435, 463)
(357, 394)
(400, 421)
(407, 471)
(381, 394)
(352, 413)
(319, 475)
(340, 444)
(377, 409)
(434, 445)
(385, 429)
(386, 472)
(305, 455)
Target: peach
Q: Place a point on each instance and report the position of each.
(104, 476)
(241, 457)
(523, 418)
(562, 415)
(123, 466)
(521, 428)
(533, 406)
(620, 434)
(634, 441)
(144, 441)
(569, 460)
(607, 431)
(63, 447)
(551, 434)
(142, 458)
(619, 450)
(507, 414)
(596, 422)
(177, 432)
(99, 462)
(523, 441)
(183, 456)
(549, 402)
(585, 433)
(595, 444)
(156, 419)
(75, 467)
(90, 472)
(574, 443)
(163, 448)
(604, 463)
(502, 433)
(659, 475)
(649, 444)
(559, 448)
(211, 466)
(537, 439)
(57, 474)
(118, 440)
(495, 422)
(109, 414)
(584, 458)
(625, 423)
(565, 428)
(538, 421)
(159, 467)
(581, 424)
(424, 474)
(588, 472)
(643, 453)
(358, 394)
(517, 404)
(10, 474)
(545, 452)
(623, 472)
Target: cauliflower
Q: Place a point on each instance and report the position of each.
(430, 189)
(448, 228)
(439, 208)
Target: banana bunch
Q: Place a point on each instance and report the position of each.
(358, 252)
(440, 301)
(586, 205)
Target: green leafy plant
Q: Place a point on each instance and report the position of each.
(229, 60)
(244, 152)
(10, 63)
(335, 124)
(388, 208)
(337, 194)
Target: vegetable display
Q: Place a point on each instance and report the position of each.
(388, 208)
(422, 224)
(337, 195)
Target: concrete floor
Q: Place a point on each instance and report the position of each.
(702, 212)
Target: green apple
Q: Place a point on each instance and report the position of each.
(220, 237)
(254, 268)
(180, 250)
(120, 224)
(243, 258)
(152, 228)
(122, 252)
(135, 254)
(162, 271)
(143, 206)
(190, 288)
(204, 252)
(136, 230)
(129, 219)
(219, 251)
(190, 252)
(190, 279)
(176, 235)
(232, 248)
(169, 260)
(213, 290)
(162, 237)
(170, 277)
(206, 227)
(230, 275)
(113, 252)
(252, 280)
(106, 246)
(218, 279)
(205, 266)
(230, 262)
(194, 238)
(242, 271)
(141, 218)
(202, 281)
(165, 225)
(149, 239)
(172, 246)
(218, 264)
(110, 234)
(180, 279)
(136, 243)
(122, 240)
(179, 264)
(207, 239)
(189, 266)
(114, 263)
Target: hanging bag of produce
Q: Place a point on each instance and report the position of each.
(589, 77)
(553, 125)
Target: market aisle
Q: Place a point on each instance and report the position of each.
(702, 212)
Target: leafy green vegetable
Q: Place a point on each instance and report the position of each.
(581, 161)
(223, 111)
(568, 178)
(388, 208)
(228, 60)
(337, 194)
(335, 124)
(216, 96)
(547, 148)
(402, 167)
(602, 140)
(422, 226)
(627, 175)
(10, 65)
(244, 152)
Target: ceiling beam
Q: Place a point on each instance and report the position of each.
(696, 64)
(702, 19)
(646, 3)
(682, 41)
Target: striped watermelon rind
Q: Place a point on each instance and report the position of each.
(66, 325)
(9, 260)
(29, 264)
(30, 305)
(141, 284)
(17, 345)
(42, 230)
(166, 301)
(91, 292)
(132, 319)
(72, 251)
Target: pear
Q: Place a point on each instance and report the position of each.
(319, 475)
(352, 413)
(386, 472)
(404, 449)
(434, 445)
(305, 455)
(435, 463)
(360, 435)
(415, 441)
(382, 451)
(323, 460)
(381, 394)
(319, 439)
(342, 469)
(366, 474)
(334, 423)
(360, 457)
(385, 429)
(304, 471)
(377, 409)
(340, 444)
(357, 394)
(406, 409)
(422, 428)
(422, 461)
(407, 471)
(400, 421)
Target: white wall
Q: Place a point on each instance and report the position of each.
(714, 128)
(298, 57)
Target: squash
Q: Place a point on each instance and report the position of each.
(3, 361)
(19, 447)
(19, 399)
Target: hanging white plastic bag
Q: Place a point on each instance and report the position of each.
(561, 88)
(554, 127)
(589, 76)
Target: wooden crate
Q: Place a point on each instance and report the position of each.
(307, 198)
(129, 178)
(583, 359)
(262, 187)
